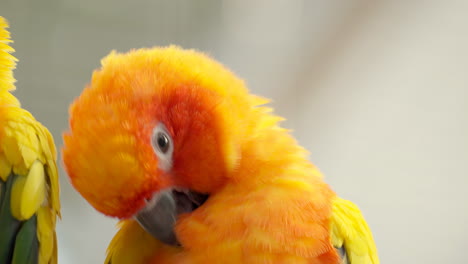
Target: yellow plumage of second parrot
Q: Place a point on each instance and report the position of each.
(29, 188)
(199, 171)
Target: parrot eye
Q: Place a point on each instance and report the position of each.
(162, 145)
(163, 142)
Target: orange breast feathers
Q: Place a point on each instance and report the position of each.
(277, 212)
(281, 218)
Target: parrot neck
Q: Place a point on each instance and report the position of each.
(277, 150)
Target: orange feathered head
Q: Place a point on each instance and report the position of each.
(152, 120)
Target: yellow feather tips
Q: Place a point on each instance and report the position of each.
(45, 234)
(16, 195)
(5, 167)
(49, 156)
(11, 149)
(7, 61)
(20, 142)
(28, 192)
(349, 228)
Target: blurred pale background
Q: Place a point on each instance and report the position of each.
(377, 91)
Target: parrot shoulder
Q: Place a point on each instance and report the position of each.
(351, 234)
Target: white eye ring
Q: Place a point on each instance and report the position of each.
(163, 146)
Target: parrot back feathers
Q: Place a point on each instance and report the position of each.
(29, 187)
(30, 190)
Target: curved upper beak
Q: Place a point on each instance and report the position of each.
(160, 214)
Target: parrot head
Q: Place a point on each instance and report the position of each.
(154, 134)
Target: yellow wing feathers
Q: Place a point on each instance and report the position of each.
(28, 155)
(350, 230)
(27, 150)
(29, 192)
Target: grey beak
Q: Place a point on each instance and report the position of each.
(159, 216)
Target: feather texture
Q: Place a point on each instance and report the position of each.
(28, 175)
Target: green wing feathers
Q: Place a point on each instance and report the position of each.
(349, 231)
(29, 188)
(26, 243)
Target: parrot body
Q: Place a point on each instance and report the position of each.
(199, 170)
(29, 189)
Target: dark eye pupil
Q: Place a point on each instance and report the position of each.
(163, 142)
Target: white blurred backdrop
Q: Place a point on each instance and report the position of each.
(376, 90)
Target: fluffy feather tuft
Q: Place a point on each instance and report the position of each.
(7, 61)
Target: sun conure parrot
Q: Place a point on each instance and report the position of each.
(173, 144)
(29, 187)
